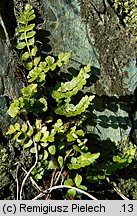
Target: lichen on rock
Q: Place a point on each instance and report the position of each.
(113, 44)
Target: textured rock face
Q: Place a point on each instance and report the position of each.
(4, 58)
(9, 85)
(114, 46)
(68, 32)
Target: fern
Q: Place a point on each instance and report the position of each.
(47, 130)
(26, 35)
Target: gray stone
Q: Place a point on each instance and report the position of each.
(4, 118)
(1, 86)
(112, 125)
(130, 80)
(4, 59)
(10, 87)
(68, 32)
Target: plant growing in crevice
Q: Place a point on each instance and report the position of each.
(52, 124)
(52, 127)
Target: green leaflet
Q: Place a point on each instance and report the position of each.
(30, 34)
(52, 164)
(21, 45)
(34, 51)
(14, 108)
(29, 144)
(28, 65)
(31, 41)
(29, 27)
(69, 182)
(63, 58)
(29, 90)
(52, 149)
(17, 126)
(36, 60)
(60, 161)
(78, 180)
(71, 192)
(25, 56)
(11, 130)
(20, 29)
(44, 103)
(24, 127)
(30, 131)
